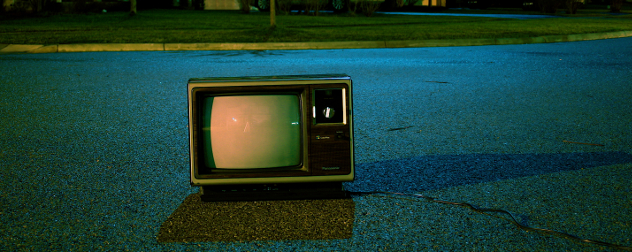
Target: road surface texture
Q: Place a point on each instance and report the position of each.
(94, 151)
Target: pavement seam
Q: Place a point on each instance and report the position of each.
(121, 47)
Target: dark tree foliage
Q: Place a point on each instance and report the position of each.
(33, 6)
(572, 6)
(550, 6)
(616, 5)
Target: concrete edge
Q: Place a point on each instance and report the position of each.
(118, 47)
(509, 41)
(274, 46)
(11, 48)
(45, 49)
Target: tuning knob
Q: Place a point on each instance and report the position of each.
(329, 112)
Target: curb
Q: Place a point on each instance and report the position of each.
(12, 48)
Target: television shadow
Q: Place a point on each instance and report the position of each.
(198, 221)
(422, 173)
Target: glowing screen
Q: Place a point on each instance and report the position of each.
(252, 131)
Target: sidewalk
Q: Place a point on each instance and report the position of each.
(13, 48)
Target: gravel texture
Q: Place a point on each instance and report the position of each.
(94, 151)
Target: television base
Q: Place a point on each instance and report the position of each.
(296, 191)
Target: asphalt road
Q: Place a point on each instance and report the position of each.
(94, 148)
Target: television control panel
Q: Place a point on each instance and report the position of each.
(331, 151)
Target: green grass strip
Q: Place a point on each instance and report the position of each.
(186, 26)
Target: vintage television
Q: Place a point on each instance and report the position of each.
(269, 135)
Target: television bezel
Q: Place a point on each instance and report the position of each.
(278, 84)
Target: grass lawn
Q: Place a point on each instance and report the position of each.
(189, 26)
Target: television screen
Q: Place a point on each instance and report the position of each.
(251, 131)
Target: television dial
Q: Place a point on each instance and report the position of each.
(329, 112)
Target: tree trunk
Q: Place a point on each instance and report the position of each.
(39, 5)
(272, 14)
(132, 7)
(571, 6)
